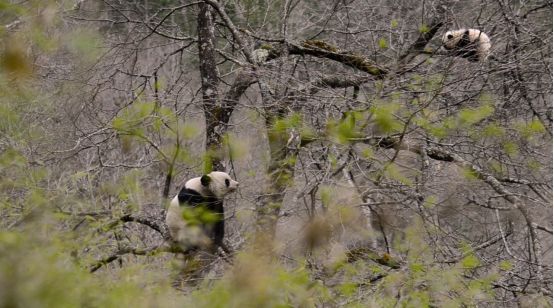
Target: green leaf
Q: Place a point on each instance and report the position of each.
(496, 166)
(531, 129)
(79, 175)
(536, 126)
(85, 43)
(237, 147)
(123, 196)
(511, 148)
(434, 82)
(189, 131)
(534, 165)
(438, 131)
(43, 41)
(208, 217)
(417, 268)
(493, 130)
(199, 215)
(505, 265)
(325, 194)
(158, 85)
(430, 202)
(383, 43)
(367, 153)
(207, 163)
(348, 288)
(118, 124)
(345, 129)
(392, 172)
(418, 299)
(486, 99)
(468, 117)
(385, 119)
(470, 262)
(292, 121)
(424, 28)
(470, 174)
(11, 157)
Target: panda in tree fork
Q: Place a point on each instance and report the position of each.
(204, 194)
(472, 44)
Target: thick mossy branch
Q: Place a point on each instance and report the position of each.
(320, 44)
(367, 253)
(322, 49)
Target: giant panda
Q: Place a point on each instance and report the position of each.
(471, 44)
(195, 215)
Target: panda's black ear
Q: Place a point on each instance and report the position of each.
(205, 180)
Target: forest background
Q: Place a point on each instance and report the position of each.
(375, 168)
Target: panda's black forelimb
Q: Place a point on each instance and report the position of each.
(190, 197)
(466, 48)
(464, 41)
(219, 226)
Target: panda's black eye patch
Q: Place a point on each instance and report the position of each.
(227, 183)
(450, 36)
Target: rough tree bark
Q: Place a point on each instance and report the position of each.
(210, 80)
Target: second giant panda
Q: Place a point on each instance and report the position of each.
(195, 215)
(471, 44)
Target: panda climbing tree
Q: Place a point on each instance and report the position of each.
(195, 215)
(472, 44)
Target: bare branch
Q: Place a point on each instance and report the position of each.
(133, 251)
(234, 31)
(421, 42)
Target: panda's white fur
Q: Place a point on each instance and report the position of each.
(207, 191)
(471, 44)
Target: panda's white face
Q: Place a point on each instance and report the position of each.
(221, 184)
(216, 184)
(451, 38)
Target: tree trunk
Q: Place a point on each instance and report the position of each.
(210, 80)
